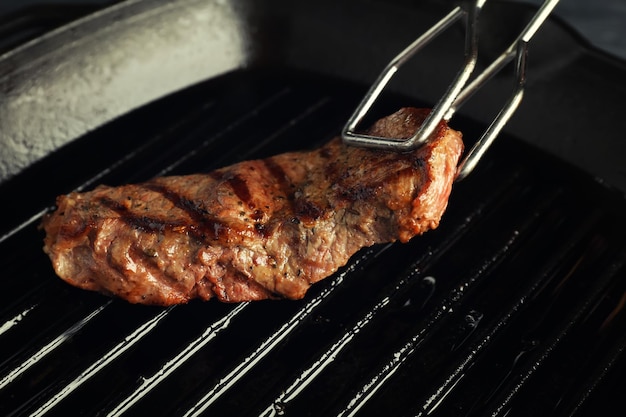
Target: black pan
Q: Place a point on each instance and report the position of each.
(513, 306)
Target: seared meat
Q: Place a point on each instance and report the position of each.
(253, 230)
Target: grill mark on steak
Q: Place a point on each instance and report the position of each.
(192, 208)
(256, 229)
(149, 262)
(278, 173)
(358, 192)
(143, 223)
(240, 187)
(306, 211)
(203, 225)
(202, 228)
(284, 183)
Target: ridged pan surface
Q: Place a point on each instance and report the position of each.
(513, 306)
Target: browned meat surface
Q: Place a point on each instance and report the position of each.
(253, 230)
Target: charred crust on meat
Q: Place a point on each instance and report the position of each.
(240, 187)
(257, 215)
(325, 153)
(419, 163)
(217, 175)
(193, 208)
(204, 227)
(278, 173)
(307, 211)
(142, 223)
(358, 193)
(112, 204)
(261, 229)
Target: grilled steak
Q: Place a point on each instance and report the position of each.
(256, 229)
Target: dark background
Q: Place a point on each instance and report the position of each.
(602, 22)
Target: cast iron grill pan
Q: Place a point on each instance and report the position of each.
(513, 306)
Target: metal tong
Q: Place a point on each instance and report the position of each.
(458, 91)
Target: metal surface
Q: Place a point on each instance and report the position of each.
(516, 296)
(457, 93)
(352, 136)
(71, 80)
(513, 306)
(27, 24)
